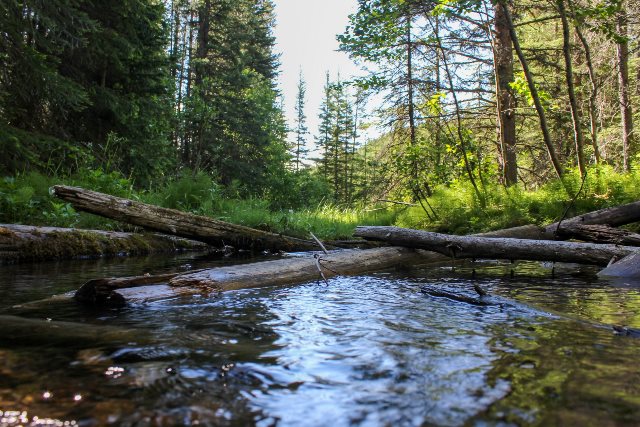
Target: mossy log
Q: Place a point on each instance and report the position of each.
(171, 221)
(497, 248)
(29, 243)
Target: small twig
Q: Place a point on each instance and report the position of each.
(319, 243)
(316, 257)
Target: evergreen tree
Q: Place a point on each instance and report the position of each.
(323, 139)
(299, 147)
(231, 115)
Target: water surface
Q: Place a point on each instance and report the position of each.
(370, 350)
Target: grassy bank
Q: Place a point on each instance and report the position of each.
(25, 199)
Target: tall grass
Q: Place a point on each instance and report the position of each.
(25, 199)
(460, 212)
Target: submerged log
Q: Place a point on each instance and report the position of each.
(497, 248)
(171, 221)
(14, 329)
(29, 243)
(285, 271)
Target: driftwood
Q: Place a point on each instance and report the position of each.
(497, 248)
(30, 243)
(171, 221)
(286, 271)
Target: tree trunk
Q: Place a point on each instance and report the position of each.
(497, 248)
(573, 102)
(171, 221)
(534, 93)
(622, 50)
(503, 58)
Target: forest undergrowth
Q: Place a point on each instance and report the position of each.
(26, 199)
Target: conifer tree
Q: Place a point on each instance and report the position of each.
(299, 147)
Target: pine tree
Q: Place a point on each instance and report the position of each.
(323, 139)
(299, 147)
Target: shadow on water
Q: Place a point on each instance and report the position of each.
(370, 350)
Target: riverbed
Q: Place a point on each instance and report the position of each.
(371, 350)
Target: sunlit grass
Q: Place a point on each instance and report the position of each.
(26, 199)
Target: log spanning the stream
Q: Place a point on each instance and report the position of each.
(171, 221)
(118, 291)
(498, 248)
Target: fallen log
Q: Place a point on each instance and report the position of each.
(600, 234)
(118, 291)
(171, 221)
(497, 248)
(110, 291)
(570, 228)
(29, 243)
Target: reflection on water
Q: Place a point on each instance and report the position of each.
(369, 350)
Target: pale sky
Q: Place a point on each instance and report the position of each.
(306, 38)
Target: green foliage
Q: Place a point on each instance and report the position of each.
(189, 192)
(521, 87)
(460, 212)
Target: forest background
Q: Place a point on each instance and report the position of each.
(492, 113)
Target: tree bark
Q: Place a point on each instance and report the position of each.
(497, 248)
(171, 221)
(503, 58)
(534, 93)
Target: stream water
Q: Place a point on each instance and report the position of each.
(371, 350)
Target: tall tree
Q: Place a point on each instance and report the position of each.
(544, 128)
(503, 64)
(301, 130)
(622, 52)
